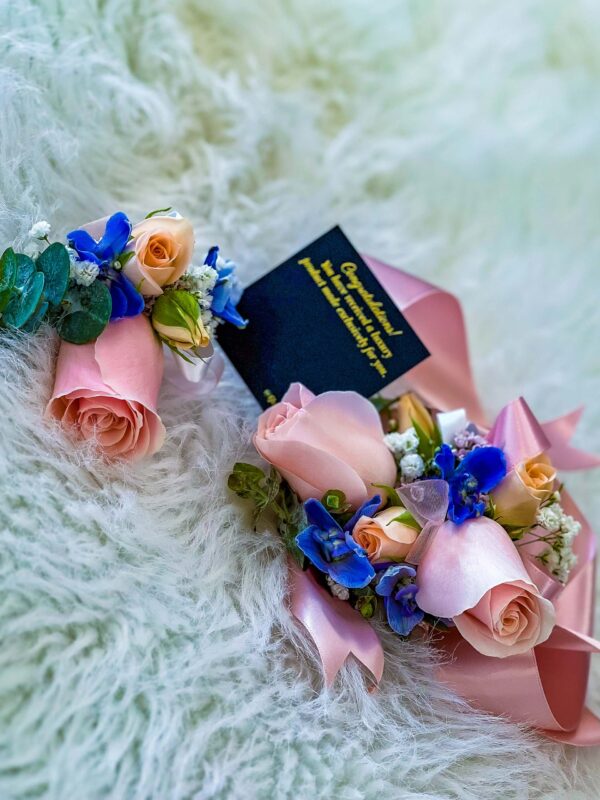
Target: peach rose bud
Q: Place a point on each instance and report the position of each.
(162, 248)
(473, 574)
(329, 441)
(408, 410)
(106, 391)
(525, 488)
(383, 537)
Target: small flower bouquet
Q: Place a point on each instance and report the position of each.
(118, 294)
(426, 520)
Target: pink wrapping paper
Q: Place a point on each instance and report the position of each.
(107, 390)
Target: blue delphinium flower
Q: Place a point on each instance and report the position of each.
(332, 549)
(227, 292)
(126, 300)
(480, 471)
(398, 589)
(111, 245)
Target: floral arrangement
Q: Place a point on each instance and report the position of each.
(398, 503)
(116, 293)
(420, 518)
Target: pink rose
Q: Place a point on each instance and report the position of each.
(330, 441)
(473, 574)
(106, 391)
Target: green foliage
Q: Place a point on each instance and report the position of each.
(270, 494)
(365, 601)
(54, 263)
(25, 293)
(158, 211)
(382, 403)
(8, 275)
(406, 518)
(124, 258)
(335, 502)
(86, 314)
(428, 445)
(392, 494)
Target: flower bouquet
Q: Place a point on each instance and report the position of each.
(408, 510)
(119, 295)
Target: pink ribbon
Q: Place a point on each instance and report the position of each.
(335, 627)
(545, 687)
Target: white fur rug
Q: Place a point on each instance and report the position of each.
(144, 647)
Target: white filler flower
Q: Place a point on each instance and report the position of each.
(40, 230)
(412, 466)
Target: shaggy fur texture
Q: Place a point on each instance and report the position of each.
(145, 650)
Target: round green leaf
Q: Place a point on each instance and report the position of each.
(8, 275)
(55, 264)
(36, 319)
(88, 314)
(25, 295)
(8, 269)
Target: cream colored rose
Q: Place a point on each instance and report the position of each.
(176, 317)
(525, 488)
(383, 538)
(408, 410)
(162, 248)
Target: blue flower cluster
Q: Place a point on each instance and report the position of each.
(126, 300)
(480, 471)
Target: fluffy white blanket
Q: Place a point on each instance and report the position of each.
(144, 646)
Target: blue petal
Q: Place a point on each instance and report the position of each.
(307, 541)
(486, 464)
(317, 514)
(115, 238)
(84, 244)
(444, 461)
(354, 571)
(135, 301)
(391, 576)
(211, 256)
(119, 302)
(368, 508)
(220, 297)
(400, 618)
(231, 314)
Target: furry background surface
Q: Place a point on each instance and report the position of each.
(144, 646)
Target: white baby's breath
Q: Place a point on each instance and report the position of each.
(550, 518)
(402, 444)
(40, 229)
(412, 467)
(84, 273)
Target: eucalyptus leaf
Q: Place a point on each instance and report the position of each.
(88, 313)
(8, 275)
(36, 319)
(25, 295)
(54, 262)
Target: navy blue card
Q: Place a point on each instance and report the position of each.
(321, 318)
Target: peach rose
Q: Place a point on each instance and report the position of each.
(525, 488)
(408, 410)
(382, 537)
(330, 441)
(163, 248)
(473, 574)
(106, 391)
